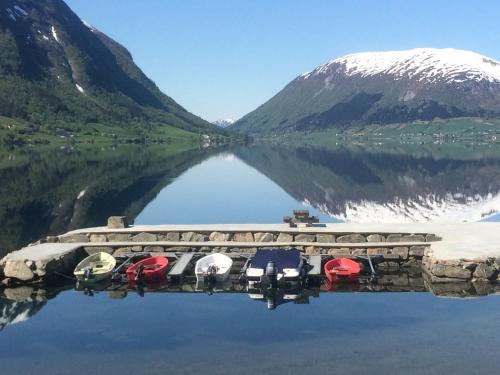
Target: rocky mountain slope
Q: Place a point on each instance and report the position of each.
(55, 68)
(381, 88)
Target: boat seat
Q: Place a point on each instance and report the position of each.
(281, 258)
(315, 263)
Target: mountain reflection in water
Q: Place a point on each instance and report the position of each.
(52, 191)
(383, 184)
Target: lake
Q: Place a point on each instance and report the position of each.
(61, 330)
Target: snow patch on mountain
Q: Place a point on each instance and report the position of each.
(81, 194)
(224, 123)
(423, 64)
(80, 88)
(89, 26)
(54, 34)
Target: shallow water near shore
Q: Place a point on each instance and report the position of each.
(384, 332)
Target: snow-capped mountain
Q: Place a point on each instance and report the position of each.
(425, 64)
(383, 87)
(224, 123)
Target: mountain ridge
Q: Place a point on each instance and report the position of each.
(382, 88)
(55, 68)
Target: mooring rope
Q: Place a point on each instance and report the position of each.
(65, 276)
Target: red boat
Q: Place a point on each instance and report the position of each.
(342, 269)
(152, 268)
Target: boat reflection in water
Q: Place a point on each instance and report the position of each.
(275, 297)
(213, 287)
(18, 304)
(91, 287)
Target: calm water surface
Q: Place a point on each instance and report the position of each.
(349, 333)
(386, 333)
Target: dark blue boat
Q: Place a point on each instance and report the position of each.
(276, 265)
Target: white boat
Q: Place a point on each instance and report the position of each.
(95, 267)
(277, 265)
(213, 267)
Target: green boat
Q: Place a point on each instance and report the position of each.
(95, 267)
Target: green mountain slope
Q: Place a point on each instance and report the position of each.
(56, 69)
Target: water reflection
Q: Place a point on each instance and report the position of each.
(22, 303)
(18, 304)
(50, 191)
(385, 184)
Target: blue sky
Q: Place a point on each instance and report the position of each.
(224, 58)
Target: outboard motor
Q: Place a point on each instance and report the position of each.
(139, 272)
(87, 272)
(271, 273)
(212, 273)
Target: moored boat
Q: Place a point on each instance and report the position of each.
(95, 267)
(148, 269)
(276, 265)
(342, 269)
(213, 268)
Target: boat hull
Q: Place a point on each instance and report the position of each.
(339, 270)
(222, 264)
(148, 269)
(288, 266)
(95, 268)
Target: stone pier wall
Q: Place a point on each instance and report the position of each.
(288, 236)
(395, 247)
(460, 270)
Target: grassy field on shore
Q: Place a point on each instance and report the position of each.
(17, 132)
(439, 130)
